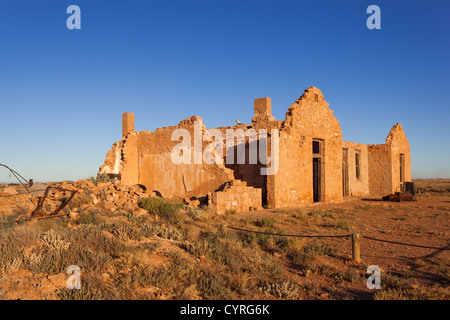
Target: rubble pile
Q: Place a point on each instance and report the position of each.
(104, 197)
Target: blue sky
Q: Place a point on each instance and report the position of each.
(62, 92)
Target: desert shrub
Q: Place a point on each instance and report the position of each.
(311, 286)
(224, 247)
(297, 213)
(161, 207)
(79, 199)
(230, 212)
(316, 213)
(285, 290)
(392, 282)
(264, 268)
(266, 222)
(196, 213)
(406, 274)
(318, 249)
(347, 276)
(132, 218)
(125, 232)
(146, 276)
(170, 233)
(23, 236)
(294, 244)
(343, 225)
(100, 178)
(320, 214)
(92, 237)
(148, 247)
(267, 242)
(407, 294)
(89, 218)
(86, 292)
(54, 241)
(163, 231)
(10, 258)
(304, 259)
(56, 261)
(7, 222)
(214, 287)
(51, 224)
(209, 245)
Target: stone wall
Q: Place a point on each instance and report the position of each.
(380, 174)
(384, 163)
(357, 186)
(236, 196)
(399, 145)
(308, 118)
(145, 158)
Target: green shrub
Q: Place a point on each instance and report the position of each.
(305, 258)
(100, 178)
(163, 208)
(266, 222)
(89, 218)
(196, 213)
(230, 212)
(343, 225)
(7, 222)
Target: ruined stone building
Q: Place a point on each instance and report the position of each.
(314, 163)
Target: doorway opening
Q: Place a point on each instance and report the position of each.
(345, 187)
(317, 148)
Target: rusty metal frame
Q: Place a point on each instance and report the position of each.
(39, 213)
(19, 177)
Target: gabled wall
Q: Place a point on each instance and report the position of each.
(307, 118)
(384, 163)
(398, 144)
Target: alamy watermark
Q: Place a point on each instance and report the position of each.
(374, 21)
(191, 152)
(374, 280)
(74, 20)
(74, 281)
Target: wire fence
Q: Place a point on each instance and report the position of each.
(355, 237)
(292, 235)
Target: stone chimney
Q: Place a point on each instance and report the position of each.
(263, 110)
(127, 123)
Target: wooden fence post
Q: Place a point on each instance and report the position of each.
(356, 239)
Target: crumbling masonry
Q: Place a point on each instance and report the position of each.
(315, 164)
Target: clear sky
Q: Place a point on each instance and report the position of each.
(63, 92)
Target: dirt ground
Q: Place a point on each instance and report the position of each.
(425, 222)
(305, 268)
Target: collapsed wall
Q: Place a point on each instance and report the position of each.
(144, 158)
